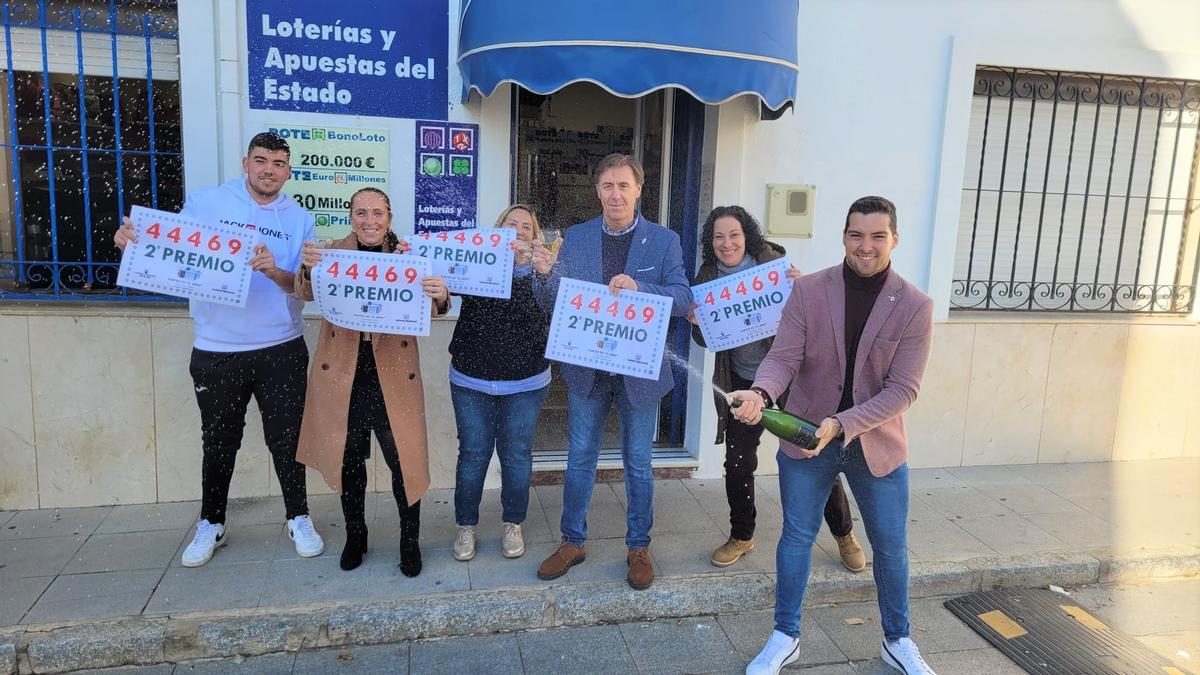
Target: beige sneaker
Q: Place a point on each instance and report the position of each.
(852, 554)
(513, 545)
(731, 552)
(464, 543)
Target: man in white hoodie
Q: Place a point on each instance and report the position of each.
(257, 350)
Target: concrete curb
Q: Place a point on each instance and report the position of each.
(8, 655)
(1039, 569)
(593, 603)
(1160, 565)
(462, 613)
(96, 645)
(141, 641)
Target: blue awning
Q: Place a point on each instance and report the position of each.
(715, 50)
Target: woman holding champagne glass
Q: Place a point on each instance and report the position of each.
(499, 378)
(364, 382)
(732, 241)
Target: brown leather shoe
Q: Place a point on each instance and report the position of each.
(852, 554)
(641, 570)
(564, 558)
(731, 552)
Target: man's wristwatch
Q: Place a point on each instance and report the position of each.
(767, 402)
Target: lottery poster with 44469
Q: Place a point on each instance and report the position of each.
(373, 292)
(624, 334)
(180, 256)
(744, 307)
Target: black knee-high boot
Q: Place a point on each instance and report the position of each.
(410, 535)
(410, 516)
(356, 546)
(354, 496)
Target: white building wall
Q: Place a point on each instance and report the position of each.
(872, 113)
(883, 106)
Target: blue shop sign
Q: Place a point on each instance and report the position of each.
(446, 184)
(367, 57)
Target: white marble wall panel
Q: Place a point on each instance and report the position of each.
(1083, 388)
(93, 407)
(18, 456)
(100, 410)
(1158, 392)
(177, 428)
(936, 423)
(1191, 442)
(439, 411)
(1007, 393)
(767, 450)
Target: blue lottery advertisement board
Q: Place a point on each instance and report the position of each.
(367, 57)
(445, 187)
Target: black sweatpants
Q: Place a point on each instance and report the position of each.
(368, 413)
(741, 461)
(224, 382)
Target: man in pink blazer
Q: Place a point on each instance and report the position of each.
(851, 349)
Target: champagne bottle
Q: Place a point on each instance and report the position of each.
(791, 428)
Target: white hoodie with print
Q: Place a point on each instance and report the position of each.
(270, 316)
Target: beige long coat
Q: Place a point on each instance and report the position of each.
(327, 403)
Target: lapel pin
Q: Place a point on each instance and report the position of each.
(643, 240)
(892, 298)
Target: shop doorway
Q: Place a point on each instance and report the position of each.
(558, 138)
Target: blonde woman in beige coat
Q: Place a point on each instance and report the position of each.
(364, 382)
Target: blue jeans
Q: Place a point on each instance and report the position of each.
(585, 426)
(803, 488)
(505, 423)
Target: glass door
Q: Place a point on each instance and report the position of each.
(559, 138)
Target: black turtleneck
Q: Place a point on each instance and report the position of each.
(861, 293)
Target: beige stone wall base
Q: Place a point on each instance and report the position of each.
(99, 409)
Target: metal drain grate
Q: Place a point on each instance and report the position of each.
(1047, 633)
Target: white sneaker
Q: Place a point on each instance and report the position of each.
(464, 543)
(904, 656)
(200, 551)
(781, 650)
(513, 544)
(304, 536)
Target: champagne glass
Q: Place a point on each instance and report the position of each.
(553, 239)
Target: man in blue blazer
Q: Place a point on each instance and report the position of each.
(622, 249)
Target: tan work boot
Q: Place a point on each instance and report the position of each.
(852, 554)
(564, 558)
(641, 570)
(731, 552)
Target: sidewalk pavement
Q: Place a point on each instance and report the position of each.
(98, 587)
(835, 640)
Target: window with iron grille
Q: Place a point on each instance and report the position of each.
(1080, 194)
(89, 126)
